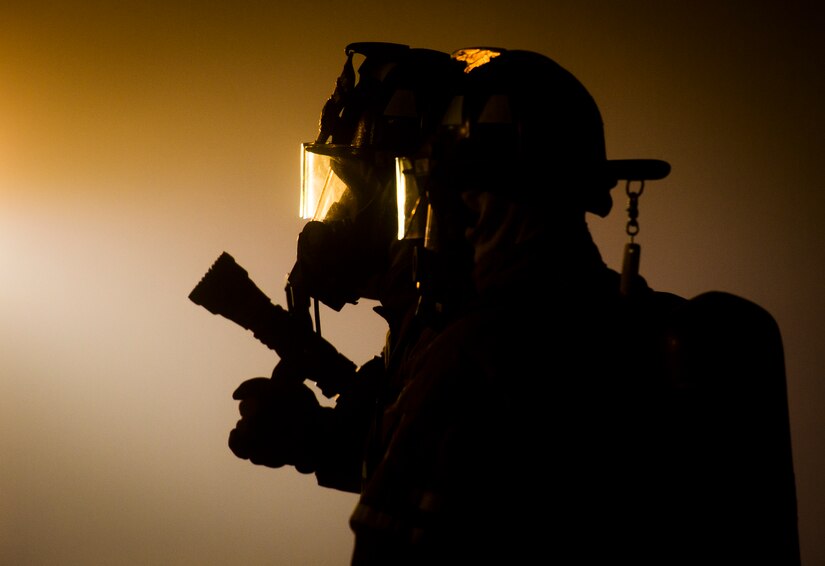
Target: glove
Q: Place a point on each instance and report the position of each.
(281, 423)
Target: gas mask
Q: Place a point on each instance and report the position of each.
(348, 174)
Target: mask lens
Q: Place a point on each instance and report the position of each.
(410, 178)
(324, 196)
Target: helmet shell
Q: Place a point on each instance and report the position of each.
(524, 125)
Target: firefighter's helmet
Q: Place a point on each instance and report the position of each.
(523, 124)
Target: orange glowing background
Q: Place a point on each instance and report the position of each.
(139, 140)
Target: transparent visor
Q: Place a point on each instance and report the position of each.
(336, 183)
(413, 206)
(324, 193)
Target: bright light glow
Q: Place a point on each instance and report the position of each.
(320, 186)
(408, 196)
(401, 164)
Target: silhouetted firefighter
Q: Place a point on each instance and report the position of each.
(531, 404)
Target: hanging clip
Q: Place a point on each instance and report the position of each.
(632, 250)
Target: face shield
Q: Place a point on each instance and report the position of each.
(411, 176)
(337, 181)
(348, 194)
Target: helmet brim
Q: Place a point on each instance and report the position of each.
(637, 169)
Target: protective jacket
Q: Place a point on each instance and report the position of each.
(561, 419)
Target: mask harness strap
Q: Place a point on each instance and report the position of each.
(632, 250)
(331, 112)
(298, 301)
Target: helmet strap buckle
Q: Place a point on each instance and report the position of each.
(632, 250)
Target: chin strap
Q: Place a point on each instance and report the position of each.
(632, 250)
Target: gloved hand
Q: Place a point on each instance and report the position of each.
(281, 423)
